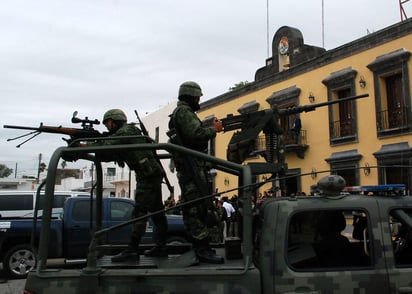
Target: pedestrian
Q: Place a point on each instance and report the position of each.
(148, 193)
(187, 130)
(222, 214)
(295, 129)
(230, 213)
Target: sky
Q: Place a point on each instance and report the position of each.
(58, 56)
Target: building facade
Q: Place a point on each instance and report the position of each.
(368, 141)
(157, 124)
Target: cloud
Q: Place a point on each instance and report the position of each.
(93, 55)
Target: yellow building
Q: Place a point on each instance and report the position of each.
(368, 141)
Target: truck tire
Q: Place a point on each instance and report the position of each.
(18, 261)
(176, 240)
(177, 245)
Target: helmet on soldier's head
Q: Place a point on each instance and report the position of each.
(115, 114)
(190, 89)
(331, 185)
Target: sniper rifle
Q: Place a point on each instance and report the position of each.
(87, 130)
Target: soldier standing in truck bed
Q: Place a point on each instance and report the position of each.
(148, 194)
(186, 129)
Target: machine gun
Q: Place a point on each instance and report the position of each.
(249, 126)
(87, 130)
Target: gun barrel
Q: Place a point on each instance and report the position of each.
(80, 133)
(20, 127)
(232, 122)
(340, 100)
(307, 108)
(142, 126)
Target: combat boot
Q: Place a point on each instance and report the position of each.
(126, 255)
(209, 256)
(205, 254)
(157, 251)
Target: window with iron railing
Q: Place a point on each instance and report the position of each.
(343, 120)
(393, 118)
(110, 174)
(392, 96)
(342, 128)
(393, 114)
(288, 139)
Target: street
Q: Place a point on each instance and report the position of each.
(11, 286)
(16, 286)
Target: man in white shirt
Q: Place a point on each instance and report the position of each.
(229, 224)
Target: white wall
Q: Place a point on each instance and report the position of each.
(160, 119)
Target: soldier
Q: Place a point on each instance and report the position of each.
(186, 129)
(148, 194)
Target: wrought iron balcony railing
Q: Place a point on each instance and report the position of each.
(395, 118)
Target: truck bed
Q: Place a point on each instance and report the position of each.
(174, 274)
(177, 261)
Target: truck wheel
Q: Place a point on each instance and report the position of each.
(176, 240)
(18, 261)
(177, 245)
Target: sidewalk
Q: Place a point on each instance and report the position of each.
(11, 286)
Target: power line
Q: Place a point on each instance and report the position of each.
(267, 27)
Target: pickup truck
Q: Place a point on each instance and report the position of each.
(70, 233)
(327, 243)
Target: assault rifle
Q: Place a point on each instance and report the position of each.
(87, 130)
(146, 133)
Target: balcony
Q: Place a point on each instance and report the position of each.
(392, 121)
(263, 147)
(342, 131)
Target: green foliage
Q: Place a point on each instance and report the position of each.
(5, 171)
(238, 85)
(63, 164)
(42, 167)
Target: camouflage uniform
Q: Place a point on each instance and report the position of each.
(186, 129)
(196, 137)
(148, 194)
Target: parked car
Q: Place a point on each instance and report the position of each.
(19, 203)
(71, 229)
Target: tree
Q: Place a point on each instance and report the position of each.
(42, 167)
(5, 171)
(238, 85)
(63, 164)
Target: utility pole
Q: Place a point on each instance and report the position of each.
(38, 169)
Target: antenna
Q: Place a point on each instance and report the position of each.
(323, 24)
(401, 10)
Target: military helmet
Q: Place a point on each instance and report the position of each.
(115, 114)
(331, 185)
(190, 89)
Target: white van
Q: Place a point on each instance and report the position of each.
(21, 203)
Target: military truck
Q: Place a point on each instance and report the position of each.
(329, 243)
